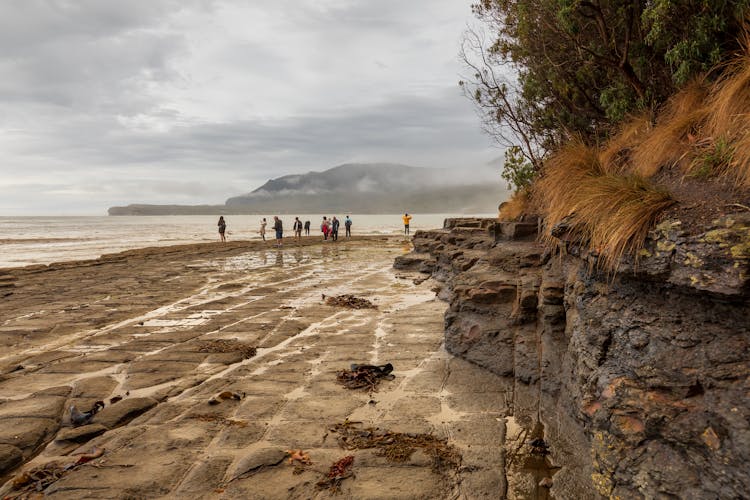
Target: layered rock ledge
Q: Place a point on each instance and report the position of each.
(635, 383)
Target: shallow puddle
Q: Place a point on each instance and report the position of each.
(528, 467)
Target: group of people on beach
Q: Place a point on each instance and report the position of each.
(329, 227)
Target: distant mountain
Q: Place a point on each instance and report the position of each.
(361, 177)
(357, 188)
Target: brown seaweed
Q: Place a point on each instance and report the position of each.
(364, 376)
(350, 301)
(398, 446)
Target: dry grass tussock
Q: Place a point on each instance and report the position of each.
(518, 205)
(729, 100)
(728, 126)
(616, 155)
(702, 130)
(607, 211)
(556, 191)
(668, 143)
(615, 214)
(605, 196)
(740, 170)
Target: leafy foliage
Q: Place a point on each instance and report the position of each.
(557, 68)
(518, 172)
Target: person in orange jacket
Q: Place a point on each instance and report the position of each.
(407, 219)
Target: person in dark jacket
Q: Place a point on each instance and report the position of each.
(278, 226)
(222, 228)
(307, 228)
(335, 228)
(297, 229)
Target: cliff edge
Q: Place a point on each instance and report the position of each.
(626, 385)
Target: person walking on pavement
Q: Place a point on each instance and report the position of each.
(297, 229)
(406, 218)
(335, 228)
(278, 226)
(348, 226)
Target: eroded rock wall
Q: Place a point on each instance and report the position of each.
(639, 381)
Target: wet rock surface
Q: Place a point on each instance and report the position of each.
(81, 434)
(157, 334)
(636, 384)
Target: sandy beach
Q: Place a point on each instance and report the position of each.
(160, 334)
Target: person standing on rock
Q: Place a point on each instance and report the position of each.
(297, 229)
(222, 228)
(335, 228)
(263, 229)
(307, 228)
(406, 218)
(348, 226)
(278, 226)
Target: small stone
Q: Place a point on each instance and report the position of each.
(638, 339)
(628, 426)
(711, 439)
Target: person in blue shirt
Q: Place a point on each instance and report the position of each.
(348, 226)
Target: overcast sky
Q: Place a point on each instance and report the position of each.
(105, 102)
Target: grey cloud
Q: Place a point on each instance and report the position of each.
(88, 54)
(27, 24)
(158, 101)
(98, 75)
(409, 124)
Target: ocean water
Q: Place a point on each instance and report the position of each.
(43, 240)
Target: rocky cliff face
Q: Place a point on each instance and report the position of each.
(632, 386)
